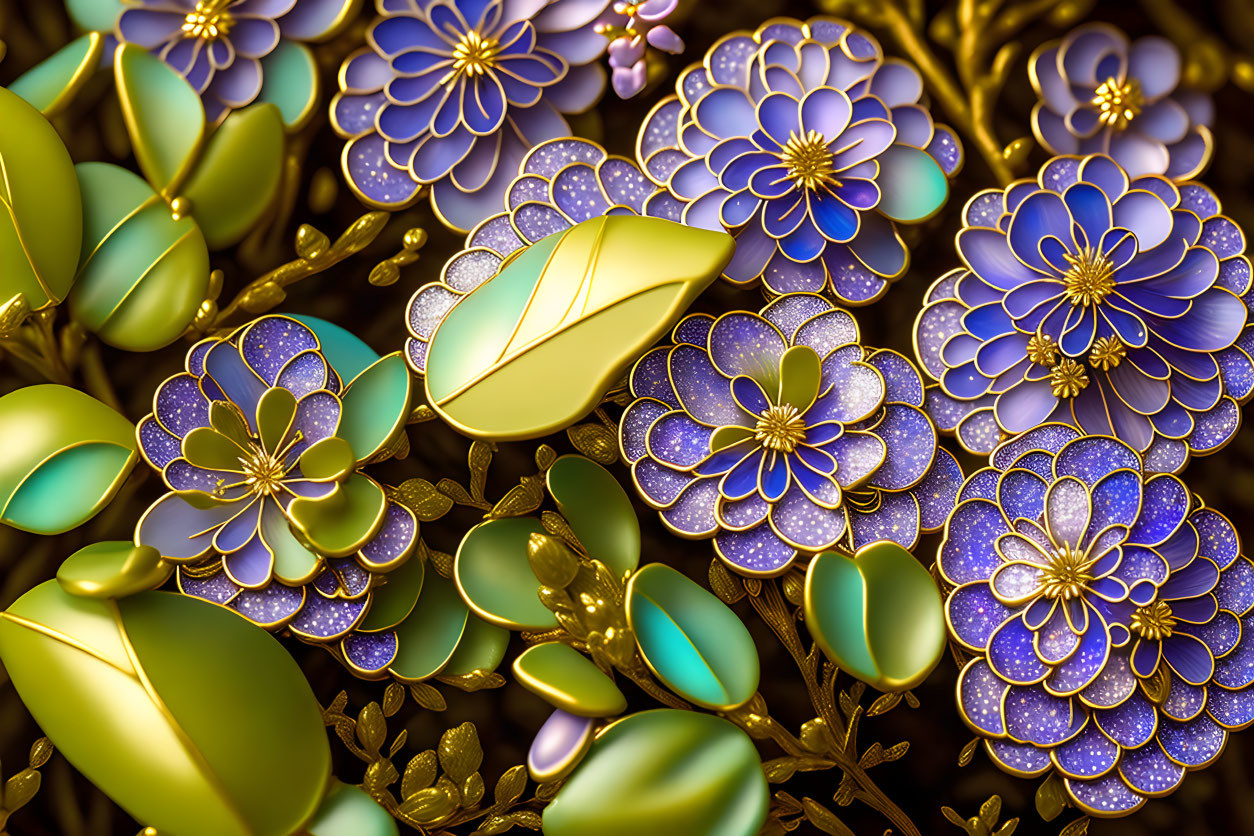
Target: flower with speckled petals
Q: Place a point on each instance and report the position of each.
(1109, 614)
(451, 94)
(777, 434)
(261, 444)
(235, 52)
(1101, 94)
(1113, 303)
(809, 146)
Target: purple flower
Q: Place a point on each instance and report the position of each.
(641, 26)
(562, 182)
(1109, 303)
(452, 94)
(1102, 95)
(777, 433)
(235, 52)
(807, 145)
(1106, 616)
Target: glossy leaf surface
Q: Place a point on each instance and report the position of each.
(599, 511)
(495, 577)
(568, 680)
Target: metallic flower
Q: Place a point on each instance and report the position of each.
(268, 513)
(561, 182)
(639, 27)
(452, 94)
(1117, 305)
(807, 144)
(1101, 94)
(777, 433)
(235, 52)
(1078, 575)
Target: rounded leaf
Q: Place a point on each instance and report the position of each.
(481, 648)
(41, 213)
(143, 273)
(494, 575)
(563, 320)
(664, 773)
(599, 511)
(376, 405)
(568, 680)
(427, 638)
(290, 81)
(98, 15)
(877, 614)
(163, 116)
(52, 83)
(697, 646)
(66, 456)
(340, 523)
(209, 729)
(349, 811)
(113, 569)
(559, 746)
(237, 176)
(913, 186)
(344, 350)
(392, 602)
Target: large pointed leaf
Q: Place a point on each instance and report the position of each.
(535, 347)
(598, 509)
(41, 214)
(66, 455)
(193, 720)
(664, 773)
(376, 404)
(163, 115)
(52, 83)
(237, 176)
(877, 614)
(144, 274)
(691, 640)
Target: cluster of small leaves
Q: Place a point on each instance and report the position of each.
(441, 787)
(984, 824)
(597, 441)
(21, 787)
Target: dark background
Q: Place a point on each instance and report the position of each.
(1219, 800)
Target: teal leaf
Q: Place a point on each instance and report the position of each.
(913, 186)
(599, 511)
(349, 811)
(376, 404)
(344, 350)
(694, 643)
(97, 15)
(290, 82)
(67, 455)
(41, 213)
(52, 83)
(143, 273)
(163, 116)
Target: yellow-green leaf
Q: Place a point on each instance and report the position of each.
(52, 83)
(561, 323)
(163, 115)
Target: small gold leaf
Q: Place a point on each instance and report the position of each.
(884, 704)
(442, 562)
(393, 698)
(20, 788)
(1051, 798)
(594, 441)
(371, 728)
(477, 680)
(460, 753)
(421, 497)
(428, 806)
(990, 810)
(552, 561)
(824, 819)
(398, 743)
(510, 785)
(520, 500)
(427, 696)
(779, 770)
(262, 298)
(310, 243)
(968, 751)
(726, 587)
(419, 774)
(545, 456)
(40, 751)
(480, 459)
(472, 790)
(378, 775)
(1079, 827)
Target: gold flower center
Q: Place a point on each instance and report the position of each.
(1067, 575)
(263, 471)
(809, 160)
(1089, 278)
(1042, 350)
(209, 20)
(1107, 353)
(780, 428)
(475, 55)
(1154, 622)
(1119, 103)
(1068, 378)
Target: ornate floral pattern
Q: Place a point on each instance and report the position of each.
(778, 433)
(1116, 304)
(1101, 94)
(235, 52)
(807, 144)
(1106, 609)
(452, 94)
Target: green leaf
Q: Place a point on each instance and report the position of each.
(236, 178)
(41, 214)
(599, 510)
(392, 601)
(149, 718)
(348, 811)
(376, 404)
(494, 575)
(482, 647)
(696, 645)
(664, 773)
(877, 615)
(98, 15)
(568, 680)
(113, 569)
(66, 456)
(913, 187)
(163, 115)
(341, 522)
(327, 459)
(427, 638)
(143, 274)
(290, 82)
(344, 350)
(561, 323)
(52, 83)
